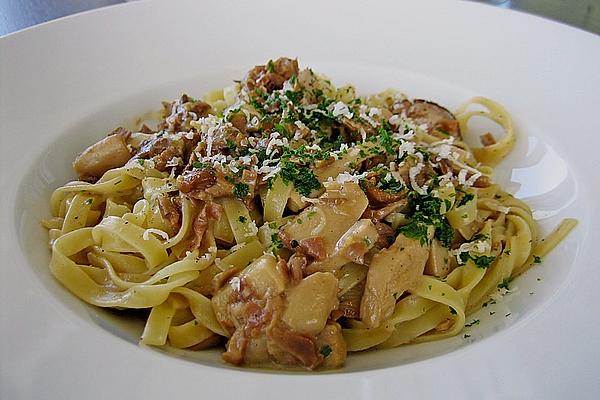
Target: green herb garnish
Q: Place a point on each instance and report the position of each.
(467, 197)
(480, 236)
(199, 165)
(241, 190)
(426, 210)
(303, 179)
(504, 284)
(326, 350)
(479, 261)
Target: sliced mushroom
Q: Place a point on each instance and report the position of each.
(351, 247)
(440, 122)
(290, 347)
(261, 279)
(163, 150)
(349, 161)
(378, 197)
(385, 235)
(309, 303)
(392, 271)
(438, 263)
(197, 179)
(264, 277)
(331, 346)
(180, 113)
(170, 209)
(327, 219)
(271, 76)
(205, 184)
(110, 152)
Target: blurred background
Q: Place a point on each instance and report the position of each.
(20, 14)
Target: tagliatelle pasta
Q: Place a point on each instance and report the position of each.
(294, 222)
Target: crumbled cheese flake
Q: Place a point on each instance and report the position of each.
(341, 109)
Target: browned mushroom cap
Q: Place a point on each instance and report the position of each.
(440, 122)
(196, 180)
(178, 114)
(161, 150)
(110, 152)
(273, 75)
(378, 197)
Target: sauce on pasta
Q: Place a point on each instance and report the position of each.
(292, 222)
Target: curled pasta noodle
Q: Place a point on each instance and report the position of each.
(492, 154)
(76, 278)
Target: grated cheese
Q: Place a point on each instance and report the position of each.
(412, 174)
(235, 283)
(347, 177)
(406, 148)
(479, 246)
(341, 109)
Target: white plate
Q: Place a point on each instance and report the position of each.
(67, 83)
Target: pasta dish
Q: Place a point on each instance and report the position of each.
(292, 221)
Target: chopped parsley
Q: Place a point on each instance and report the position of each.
(199, 165)
(241, 190)
(294, 97)
(231, 145)
(303, 179)
(483, 261)
(386, 140)
(141, 161)
(474, 322)
(390, 185)
(442, 131)
(426, 211)
(242, 219)
(480, 236)
(261, 154)
(416, 230)
(467, 197)
(276, 242)
(504, 284)
(281, 129)
(537, 259)
(326, 350)
(479, 261)
(89, 201)
(444, 233)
